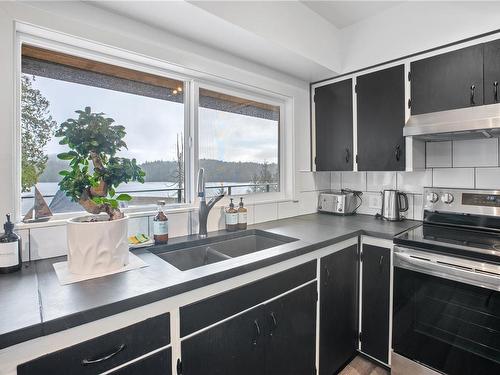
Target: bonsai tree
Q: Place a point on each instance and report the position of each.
(95, 172)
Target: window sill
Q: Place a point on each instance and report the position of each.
(61, 219)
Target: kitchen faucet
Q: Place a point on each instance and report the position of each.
(204, 206)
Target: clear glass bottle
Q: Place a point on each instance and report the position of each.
(231, 217)
(10, 249)
(160, 225)
(242, 215)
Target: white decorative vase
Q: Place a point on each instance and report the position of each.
(97, 247)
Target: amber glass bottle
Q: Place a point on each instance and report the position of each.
(231, 217)
(160, 225)
(242, 215)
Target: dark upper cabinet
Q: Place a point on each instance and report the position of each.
(381, 118)
(338, 336)
(278, 338)
(334, 126)
(447, 81)
(291, 333)
(491, 71)
(375, 287)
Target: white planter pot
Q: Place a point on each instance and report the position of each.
(97, 247)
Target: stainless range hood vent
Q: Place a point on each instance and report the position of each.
(464, 123)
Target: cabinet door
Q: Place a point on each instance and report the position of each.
(338, 326)
(156, 364)
(445, 81)
(333, 113)
(291, 333)
(235, 346)
(375, 302)
(491, 71)
(381, 118)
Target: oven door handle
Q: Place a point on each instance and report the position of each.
(406, 260)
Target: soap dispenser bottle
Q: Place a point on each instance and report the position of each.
(231, 217)
(10, 249)
(242, 215)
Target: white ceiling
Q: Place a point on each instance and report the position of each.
(345, 13)
(299, 38)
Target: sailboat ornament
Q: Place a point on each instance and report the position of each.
(40, 210)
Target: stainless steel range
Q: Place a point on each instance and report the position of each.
(446, 299)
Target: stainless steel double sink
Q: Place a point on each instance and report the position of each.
(200, 252)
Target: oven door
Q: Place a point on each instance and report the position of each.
(446, 312)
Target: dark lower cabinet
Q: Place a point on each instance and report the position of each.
(291, 333)
(105, 352)
(447, 81)
(334, 126)
(381, 118)
(338, 338)
(491, 71)
(375, 295)
(157, 364)
(233, 347)
(276, 338)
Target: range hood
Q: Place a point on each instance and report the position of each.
(464, 123)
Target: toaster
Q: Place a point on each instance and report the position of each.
(344, 202)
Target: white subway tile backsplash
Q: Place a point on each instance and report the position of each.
(138, 225)
(336, 181)
(371, 204)
(48, 242)
(308, 202)
(354, 180)
(453, 177)
(266, 212)
(306, 181)
(438, 154)
(322, 180)
(488, 178)
(378, 181)
(475, 153)
(418, 204)
(414, 182)
(288, 209)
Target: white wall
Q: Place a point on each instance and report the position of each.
(414, 27)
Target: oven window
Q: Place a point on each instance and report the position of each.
(447, 325)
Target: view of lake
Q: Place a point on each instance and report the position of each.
(148, 189)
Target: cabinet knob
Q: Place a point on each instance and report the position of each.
(274, 323)
(495, 91)
(347, 156)
(397, 153)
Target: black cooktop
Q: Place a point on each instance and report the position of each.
(473, 244)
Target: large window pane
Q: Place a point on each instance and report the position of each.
(238, 144)
(151, 109)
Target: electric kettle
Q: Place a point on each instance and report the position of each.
(393, 203)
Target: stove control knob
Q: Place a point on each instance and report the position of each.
(447, 198)
(432, 197)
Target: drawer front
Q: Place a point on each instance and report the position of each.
(211, 310)
(104, 352)
(157, 364)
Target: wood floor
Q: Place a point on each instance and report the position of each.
(361, 366)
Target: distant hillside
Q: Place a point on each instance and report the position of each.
(158, 171)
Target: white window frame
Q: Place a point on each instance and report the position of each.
(63, 43)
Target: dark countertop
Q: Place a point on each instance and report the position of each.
(34, 304)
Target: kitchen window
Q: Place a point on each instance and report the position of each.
(238, 144)
(237, 133)
(55, 85)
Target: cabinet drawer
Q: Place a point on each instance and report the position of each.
(104, 352)
(157, 364)
(211, 310)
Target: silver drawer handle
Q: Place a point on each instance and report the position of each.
(86, 362)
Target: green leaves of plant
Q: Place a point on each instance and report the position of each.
(92, 136)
